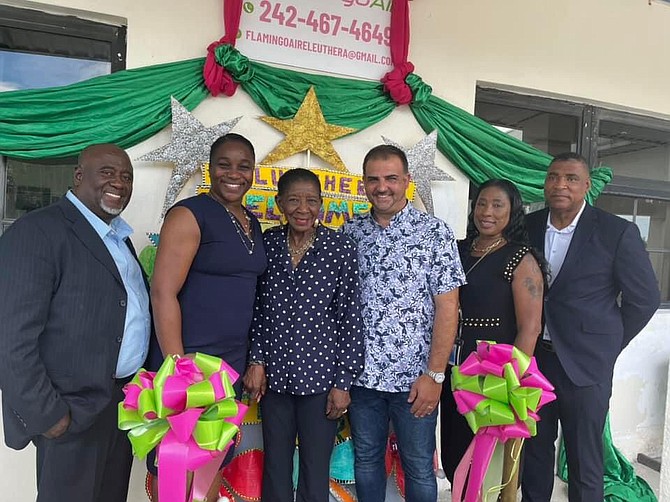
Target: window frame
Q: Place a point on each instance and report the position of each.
(80, 33)
(590, 117)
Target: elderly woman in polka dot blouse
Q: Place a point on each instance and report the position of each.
(306, 341)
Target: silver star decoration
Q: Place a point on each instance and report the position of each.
(421, 160)
(188, 150)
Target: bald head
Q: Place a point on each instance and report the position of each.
(90, 153)
(103, 180)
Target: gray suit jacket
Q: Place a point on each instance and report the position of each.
(606, 262)
(62, 316)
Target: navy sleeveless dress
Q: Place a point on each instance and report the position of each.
(217, 298)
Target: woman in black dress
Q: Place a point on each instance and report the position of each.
(502, 300)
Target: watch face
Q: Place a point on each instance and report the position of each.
(438, 377)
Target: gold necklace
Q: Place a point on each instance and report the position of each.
(488, 248)
(302, 249)
(247, 237)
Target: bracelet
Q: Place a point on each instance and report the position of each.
(175, 357)
(256, 363)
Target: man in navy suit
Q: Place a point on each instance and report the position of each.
(602, 292)
(74, 311)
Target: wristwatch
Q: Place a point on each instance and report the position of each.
(438, 377)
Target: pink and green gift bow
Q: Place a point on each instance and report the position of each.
(187, 409)
(499, 390)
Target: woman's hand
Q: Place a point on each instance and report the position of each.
(255, 382)
(338, 402)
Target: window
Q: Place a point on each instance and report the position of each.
(39, 49)
(636, 147)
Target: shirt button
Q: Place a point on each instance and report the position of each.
(119, 339)
(122, 303)
(113, 376)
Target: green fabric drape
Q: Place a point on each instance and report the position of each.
(124, 108)
(483, 152)
(130, 106)
(621, 483)
(279, 92)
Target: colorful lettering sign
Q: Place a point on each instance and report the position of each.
(349, 37)
(343, 195)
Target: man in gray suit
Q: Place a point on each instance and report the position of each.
(74, 311)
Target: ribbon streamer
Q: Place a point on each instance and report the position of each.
(188, 410)
(499, 390)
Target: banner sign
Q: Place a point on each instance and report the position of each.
(348, 37)
(343, 195)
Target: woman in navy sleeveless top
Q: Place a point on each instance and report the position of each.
(209, 258)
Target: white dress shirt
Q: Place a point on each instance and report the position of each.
(556, 245)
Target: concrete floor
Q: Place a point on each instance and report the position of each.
(560, 489)
(17, 479)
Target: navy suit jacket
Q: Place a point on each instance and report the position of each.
(62, 317)
(603, 295)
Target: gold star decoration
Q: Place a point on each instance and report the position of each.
(307, 130)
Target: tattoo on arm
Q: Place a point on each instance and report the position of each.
(534, 289)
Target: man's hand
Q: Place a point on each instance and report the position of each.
(59, 428)
(338, 402)
(425, 396)
(255, 381)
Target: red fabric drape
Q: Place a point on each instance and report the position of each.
(394, 81)
(217, 79)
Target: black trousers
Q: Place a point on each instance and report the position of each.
(455, 433)
(285, 417)
(582, 412)
(90, 466)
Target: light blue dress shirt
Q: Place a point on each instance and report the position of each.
(137, 327)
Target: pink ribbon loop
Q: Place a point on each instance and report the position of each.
(503, 362)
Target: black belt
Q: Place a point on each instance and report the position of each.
(547, 345)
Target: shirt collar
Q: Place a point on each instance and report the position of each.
(397, 218)
(571, 227)
(117, 226)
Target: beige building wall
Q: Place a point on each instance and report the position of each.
(612, 52)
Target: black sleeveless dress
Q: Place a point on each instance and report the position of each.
(487, 306)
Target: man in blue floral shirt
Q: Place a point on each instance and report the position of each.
(410, 274)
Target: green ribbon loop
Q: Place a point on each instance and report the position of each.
(505, 398)
(207, 364)
(420, 90)
(148, 424)
(232, 60)
(145, 437)
(522, 359)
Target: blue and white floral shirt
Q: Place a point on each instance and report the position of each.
(402, 267)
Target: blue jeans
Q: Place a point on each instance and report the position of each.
(369, 414)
